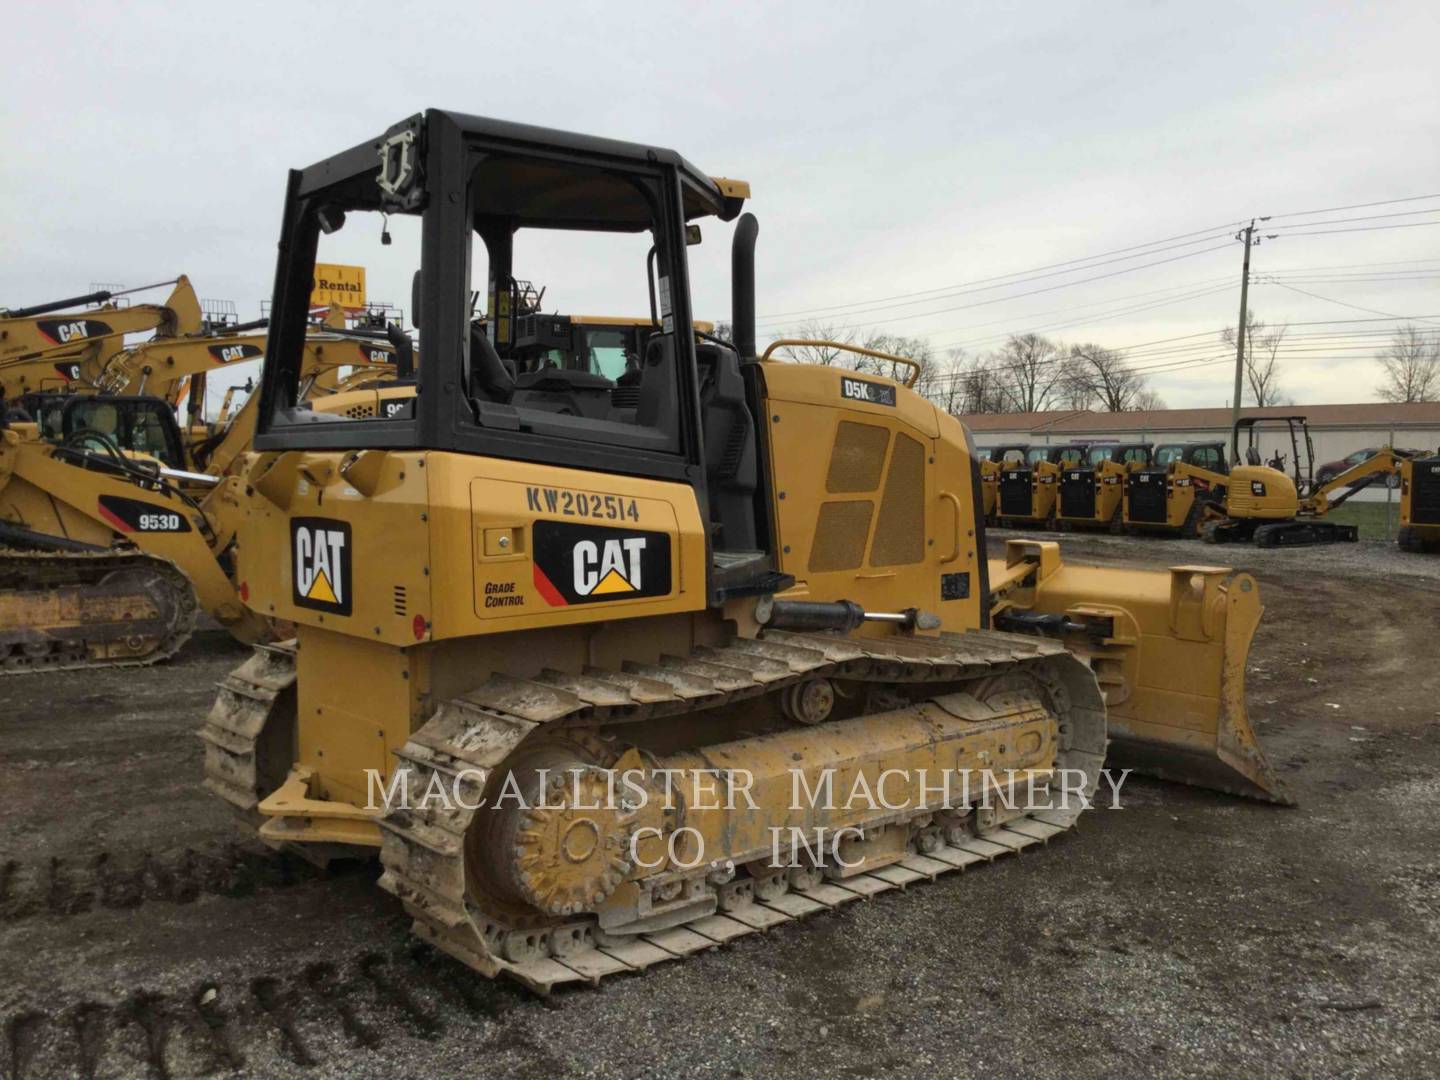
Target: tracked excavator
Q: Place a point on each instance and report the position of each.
(46, 346)
(544, 630)
(1275, 509)
(114, 534)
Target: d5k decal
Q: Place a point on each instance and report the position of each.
(589, 564)
(320, 562)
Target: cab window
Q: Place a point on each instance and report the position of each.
(1034, 454)
(1208, 457)
(610, 352)
(1101, 453)
(1069, 456)
(1166, 454)
(1134, 455)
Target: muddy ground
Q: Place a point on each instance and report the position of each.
(1188, 933)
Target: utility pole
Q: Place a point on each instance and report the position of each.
(1240, 327)
(1242, 331)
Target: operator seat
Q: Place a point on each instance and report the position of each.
(491, 378)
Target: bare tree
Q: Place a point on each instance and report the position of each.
(1147, 400)
(912, 348)
(978, 385)
(1262, 358)
(1111, 382)
(1031, 375)
(823, 355)
(1412, 367)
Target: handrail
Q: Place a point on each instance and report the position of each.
(915, 365)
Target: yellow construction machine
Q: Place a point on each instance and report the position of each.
(1172, 492)
(46, 346)
(993, 461)
(1420, 503)
(1092, 490)
(1275, 509)
(114, 533)
(597, 665)
(1028, 489)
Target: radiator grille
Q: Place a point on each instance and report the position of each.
(1077, 493)
(857, 459)
(840, 534)
(1146, 494)
(1015, 492)
(900, 529)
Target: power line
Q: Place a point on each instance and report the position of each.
(1204, 234)
(1032, 292)
(1363, 228)
(1364, 217)
(1355, 206)
(1357, 307)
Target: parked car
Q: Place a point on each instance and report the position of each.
(1331, 469)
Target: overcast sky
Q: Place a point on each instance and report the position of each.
(894, 149)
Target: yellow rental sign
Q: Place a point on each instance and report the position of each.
(343, 285)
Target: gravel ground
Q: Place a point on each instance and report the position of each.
(1185, 934)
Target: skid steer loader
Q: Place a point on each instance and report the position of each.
(570, 653)
(114, 534)
(1420, 504)
(1091, 491)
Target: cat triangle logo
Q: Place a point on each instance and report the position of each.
(320, 590)
(321, 572)
(612, 583)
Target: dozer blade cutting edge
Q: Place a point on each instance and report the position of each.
(1169, 649)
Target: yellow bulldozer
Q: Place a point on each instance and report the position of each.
(596, 664)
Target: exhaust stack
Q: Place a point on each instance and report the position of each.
(742, 286)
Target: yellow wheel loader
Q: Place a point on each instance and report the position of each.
(46, 346)
(1420, 503)
(1092, 490)
(606, 673)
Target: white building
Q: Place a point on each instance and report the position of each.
(1336, 430)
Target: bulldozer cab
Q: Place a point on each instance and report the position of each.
(604, 223)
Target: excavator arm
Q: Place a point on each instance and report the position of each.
(44, 348)
(1356, 478)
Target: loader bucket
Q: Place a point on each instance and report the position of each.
(1169, 649)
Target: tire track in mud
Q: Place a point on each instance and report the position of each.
(73, 885)
(297, 1019)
